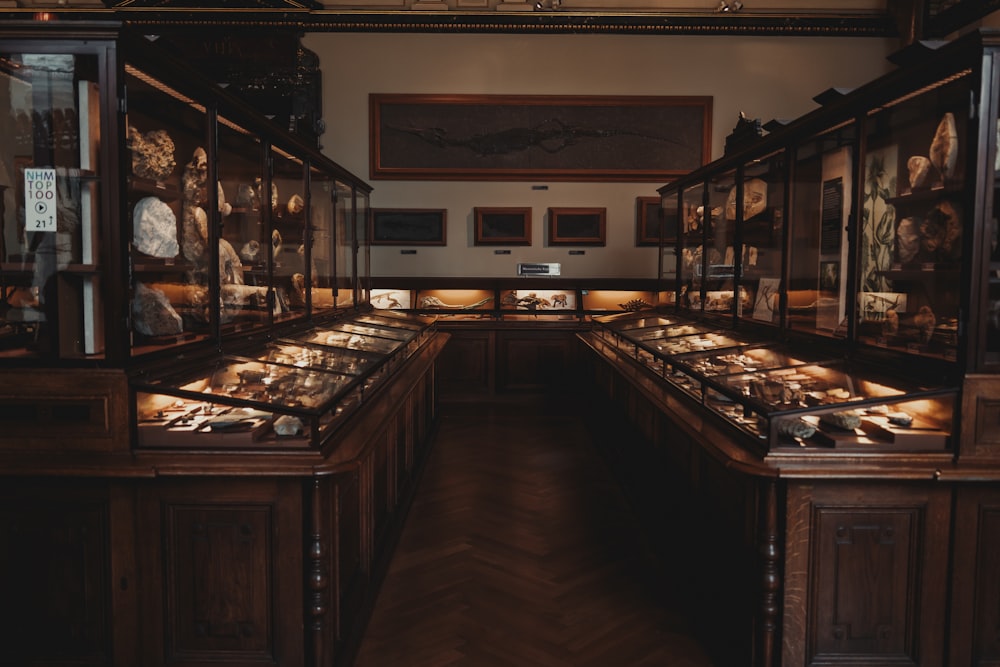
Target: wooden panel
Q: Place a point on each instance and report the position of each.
(350, 575)
(865, 580)
(981, 416)
(532, 361)
(56, 410)
(232, 572)
(54, 558)
(975, 627)
(465, 366)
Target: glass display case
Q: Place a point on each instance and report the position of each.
(782, 396)
(54, 191)
(145, 211)
(292, 393)
(888, 244)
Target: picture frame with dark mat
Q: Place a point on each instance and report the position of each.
(578, 226)
(502, 225)
(408, 226)
(648, 221)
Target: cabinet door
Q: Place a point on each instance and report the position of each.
(465, 367)
(976, 577)
(865, 574)
(66, 574)
(533, 360)
(222, 565)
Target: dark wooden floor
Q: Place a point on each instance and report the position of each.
(520, 551)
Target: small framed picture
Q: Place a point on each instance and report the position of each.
(409, 226)
(577, 226)
(648, 220)
(502, 226)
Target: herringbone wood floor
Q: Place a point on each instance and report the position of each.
(520, 551)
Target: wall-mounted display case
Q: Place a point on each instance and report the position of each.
(550, 299)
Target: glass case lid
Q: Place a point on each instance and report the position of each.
(673, 330)
(348, 340)
(748, 358)
(398, 334)
(255, 383)
(306, 355)
(816, 387)
(389, 322)
(706, 340)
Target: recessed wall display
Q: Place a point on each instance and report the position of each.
(530, 137)
(577, 226)
(417, 226)
(503, 226)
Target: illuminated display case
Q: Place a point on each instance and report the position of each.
(293, 393)
(783, 397)
(145, 212)
(868, 223)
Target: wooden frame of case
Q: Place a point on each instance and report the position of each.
(578, 226)
(502, 225)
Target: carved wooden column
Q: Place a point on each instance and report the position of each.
(770, 552)
(319, 564)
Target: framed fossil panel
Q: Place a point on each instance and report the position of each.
(529, 137)
(502, 226)
(648, 221)
(415, 226)
(577, 226)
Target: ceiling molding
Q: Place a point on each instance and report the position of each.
(308, 16)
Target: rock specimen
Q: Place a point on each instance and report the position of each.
(154, 228)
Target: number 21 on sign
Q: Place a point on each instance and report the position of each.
(40, 199)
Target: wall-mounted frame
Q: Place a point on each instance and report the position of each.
(577, 226)
(531, 137)
(502, 225)
(408, 226)
(648, 221)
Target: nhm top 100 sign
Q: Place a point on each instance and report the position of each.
(40, 199)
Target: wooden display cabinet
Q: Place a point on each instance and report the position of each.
(859, 239)
(209, 434)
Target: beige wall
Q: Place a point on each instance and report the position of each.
(764, 77)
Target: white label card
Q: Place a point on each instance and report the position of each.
(40, 199)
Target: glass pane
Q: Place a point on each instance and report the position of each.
(288, 236)
(691, 241)
(720, 238)
(50, 134)
(910, 244)
(321, 215)
(363, 248)
(671, 223)
(168, 202)
(761, 238)
(821, 201)
(344, 245)
(245, 245)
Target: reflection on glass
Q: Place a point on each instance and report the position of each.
(245, 245)
(288, 236)
(719, 261)
(910, 246)
(344, 245)
(821, 199)
(322, 189)
(50, 304)
(691, 239)
(363, 248)
(761, 238)
(669, 246)
(170, 205)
